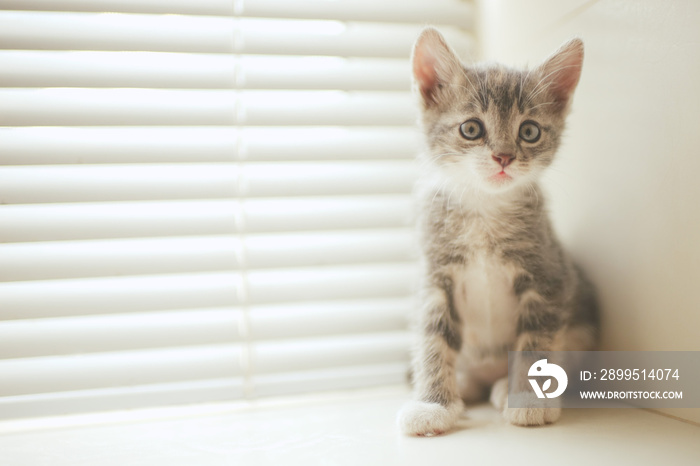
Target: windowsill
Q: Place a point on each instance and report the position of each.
(354, 428)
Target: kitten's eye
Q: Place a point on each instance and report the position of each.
(471, 129)
(529, 131)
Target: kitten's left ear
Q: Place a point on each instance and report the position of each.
(435, 65)
(562, 71)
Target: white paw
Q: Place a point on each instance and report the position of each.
(531, 416)
(499, 394)
(427, 419)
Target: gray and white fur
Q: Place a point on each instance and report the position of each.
(496, 278)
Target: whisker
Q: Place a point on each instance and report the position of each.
(539, 105)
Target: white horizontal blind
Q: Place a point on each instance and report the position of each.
(205, 200)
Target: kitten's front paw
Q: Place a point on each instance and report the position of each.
(427, 419)
(531, 416)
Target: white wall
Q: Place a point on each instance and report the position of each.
(625, 191)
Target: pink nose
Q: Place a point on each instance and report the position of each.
(503, 159)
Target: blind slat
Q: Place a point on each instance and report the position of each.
(141, 367)
(325, 283)
(73, 297)
(65, 183)
(90, 145)
(30, 68)
(95, 220)
(103, 333)
(209, 34)
(330, 379)
(337, 351)
(199, 391)
(157, 107)
(190, 327)
(303, 319)
(409, 11)
(101, 370)
(96, 258)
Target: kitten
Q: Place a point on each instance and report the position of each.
(496, 279)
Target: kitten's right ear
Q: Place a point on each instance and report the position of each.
(434, 64)
(562, 71)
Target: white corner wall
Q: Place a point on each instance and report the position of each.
(625, 190)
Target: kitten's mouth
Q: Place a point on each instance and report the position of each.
(501, 177)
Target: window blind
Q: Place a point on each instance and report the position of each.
(205, 200)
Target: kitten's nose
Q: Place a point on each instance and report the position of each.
(503, 159)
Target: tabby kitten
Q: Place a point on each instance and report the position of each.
(496, 279)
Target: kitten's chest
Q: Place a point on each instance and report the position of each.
(484, 298)
(486, 303)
